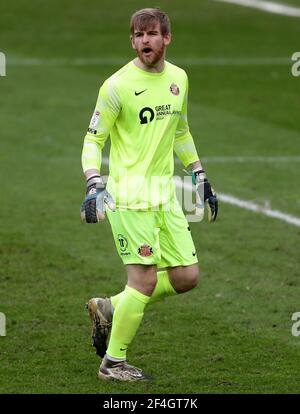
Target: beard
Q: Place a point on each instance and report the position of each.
(153, 58)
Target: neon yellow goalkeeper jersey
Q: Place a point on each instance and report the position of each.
(145, 115)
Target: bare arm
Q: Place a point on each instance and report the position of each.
(196, 165)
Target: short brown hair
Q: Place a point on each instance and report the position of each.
(144, 18)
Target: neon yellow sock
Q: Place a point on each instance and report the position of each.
(127, 317)
(163, 288)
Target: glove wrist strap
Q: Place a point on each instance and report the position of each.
(199, 175)
(94, 179)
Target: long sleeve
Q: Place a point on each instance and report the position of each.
(107, 109)
(184, 146)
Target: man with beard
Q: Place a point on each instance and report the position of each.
(143, 107)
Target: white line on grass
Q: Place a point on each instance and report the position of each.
(233, 61)
(246, 205)
(249, 159)
(249, 205)
(267, 6)
(188, 61)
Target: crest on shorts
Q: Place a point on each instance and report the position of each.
(174, 89)
(145, 250)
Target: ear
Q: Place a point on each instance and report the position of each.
(132, 42)
(167, 39)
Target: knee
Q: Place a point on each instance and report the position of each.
(189, 279)
(142, 278)
(193, 278)
(149, 285)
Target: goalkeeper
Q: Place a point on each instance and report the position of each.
(143, 107)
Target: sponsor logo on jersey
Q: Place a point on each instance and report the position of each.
(145, 250)
(138, 93)
(174, 89)
(147, 114)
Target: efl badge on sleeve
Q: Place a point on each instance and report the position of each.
(95, 119)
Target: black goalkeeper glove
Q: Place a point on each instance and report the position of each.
(93, 206)
(206, 193)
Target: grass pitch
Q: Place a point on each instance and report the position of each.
(233, 333)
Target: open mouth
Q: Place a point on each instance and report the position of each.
(147, 50)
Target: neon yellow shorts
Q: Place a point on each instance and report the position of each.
(153, 237)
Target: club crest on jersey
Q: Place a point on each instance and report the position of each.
(95, 119)
(174, 89)
(145, 250)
